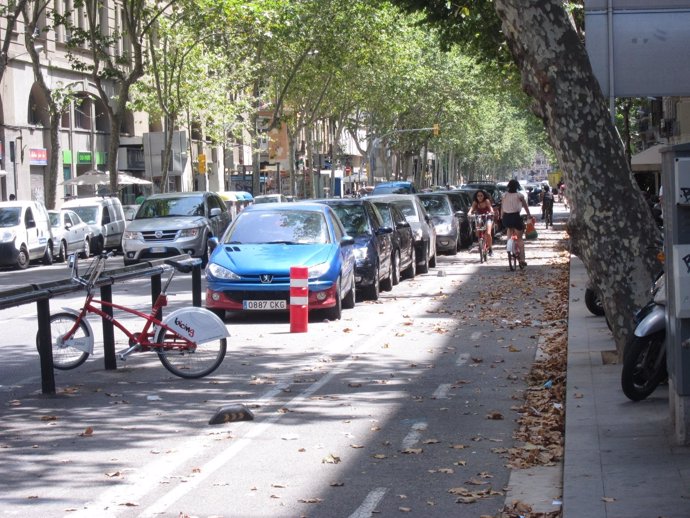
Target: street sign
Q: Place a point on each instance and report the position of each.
(202, 163)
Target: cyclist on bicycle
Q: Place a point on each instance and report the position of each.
(546, 203)
(482, 205)
(513, 202)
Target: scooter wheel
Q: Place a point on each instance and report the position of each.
(593, 303)
(644, 365)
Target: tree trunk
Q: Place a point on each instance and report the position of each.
(611, 227)
(54, 163)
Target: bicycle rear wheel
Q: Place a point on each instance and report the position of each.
(66, 357)
(186, 361)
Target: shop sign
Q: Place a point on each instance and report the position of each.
(84, 157)
(38, 156)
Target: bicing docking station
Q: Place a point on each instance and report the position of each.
(676, 212)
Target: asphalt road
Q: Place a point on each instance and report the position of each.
(392, 409)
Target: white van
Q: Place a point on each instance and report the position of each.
(25, 234)
(105, 217)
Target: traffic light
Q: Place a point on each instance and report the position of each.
(202, 163)
(436, 129)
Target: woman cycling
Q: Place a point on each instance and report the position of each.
(482, 205)
(513, 202)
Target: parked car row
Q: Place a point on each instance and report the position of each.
(352, 248)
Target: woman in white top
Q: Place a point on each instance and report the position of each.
(511, 205)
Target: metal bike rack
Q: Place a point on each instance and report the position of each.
(43, 292)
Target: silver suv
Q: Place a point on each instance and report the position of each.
(175, 223)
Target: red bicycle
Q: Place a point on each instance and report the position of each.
(190, 342)
(480, 229)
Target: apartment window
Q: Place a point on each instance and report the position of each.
(82, 113)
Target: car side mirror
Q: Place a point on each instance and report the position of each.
(215, 211)
(404, 224)
(68, 226)
(347, 241)
(213, 243)
(384, 230)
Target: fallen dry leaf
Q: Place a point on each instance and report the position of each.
(412, 451)
(310, 500)
(87, 433)
(330, 459)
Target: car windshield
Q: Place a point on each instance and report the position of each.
(288, 226)
(385, 214)
(87, 214)
(408, 210)
(9, 216)
(353, 218)
(435, 205)
(460, 201)
(171, 207)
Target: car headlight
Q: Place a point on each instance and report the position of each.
(189, 232)
(360, 254)
(129, 234)
(7, 236)
(418, 234)
(444, 228)
(318, 270)
(217, 271)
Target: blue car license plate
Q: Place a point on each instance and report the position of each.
(264, 304)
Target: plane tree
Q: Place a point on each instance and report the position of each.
(611, 226)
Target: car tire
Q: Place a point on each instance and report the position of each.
(372, 292)
(47, 258)
(395, 266)
(62, 254)
(349, 299)
(22, 258)
(411, 271)
(387, 283)
(424, 266)
(432, 260)
(336, 312)
(97, 245)
(87, 249)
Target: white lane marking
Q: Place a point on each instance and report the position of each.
(160, 506)
(462, 359)
(141, 482)
(415, 434)
(370, 502)
(441, 392)
(476, 335)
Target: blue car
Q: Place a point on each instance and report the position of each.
(249, 269)
(373, 244)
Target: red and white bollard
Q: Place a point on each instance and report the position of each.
(299, 299)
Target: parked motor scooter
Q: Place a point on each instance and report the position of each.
(644, 358)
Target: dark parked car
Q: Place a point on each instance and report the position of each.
(373, 245)
(446, 222)
(394, 188)
(422, 227)
(461, 203)
(403, 256)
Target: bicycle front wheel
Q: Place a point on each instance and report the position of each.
(482, 257)
(186, 359)
(66, 357)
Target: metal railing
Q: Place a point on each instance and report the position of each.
(42, 293)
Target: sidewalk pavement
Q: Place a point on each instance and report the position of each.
(621, 460)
